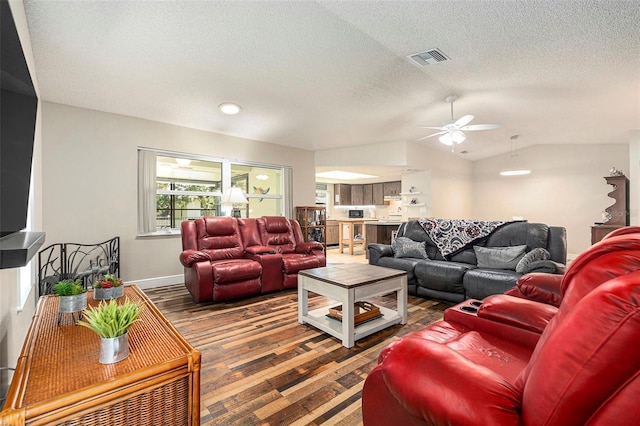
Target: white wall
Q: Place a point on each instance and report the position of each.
(90, 180)
(566, 187)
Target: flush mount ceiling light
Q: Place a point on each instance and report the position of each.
(229, 108)
(342, 175)
(262, 177)
(183, 162)
(516, 171)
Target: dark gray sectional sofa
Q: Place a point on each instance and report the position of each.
(458, 277)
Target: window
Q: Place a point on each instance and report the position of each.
(173, 187)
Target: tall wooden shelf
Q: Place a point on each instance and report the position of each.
(618, 212)
(313, 221)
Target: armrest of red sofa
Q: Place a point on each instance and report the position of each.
(518, 312)
(309, 247)
(259, 250)
(447, 388)
(545, 288)
(189, 257)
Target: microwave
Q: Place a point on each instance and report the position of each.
(356, 214)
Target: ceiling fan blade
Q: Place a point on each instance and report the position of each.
(428, 127)
(463, 121)
(432, 135)
(481, 127)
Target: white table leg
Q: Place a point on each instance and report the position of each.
(348, 326)
(402, 300)
(303, 299)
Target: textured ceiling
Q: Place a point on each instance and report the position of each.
(326, 74)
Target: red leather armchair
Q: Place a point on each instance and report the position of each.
(583, 370)
(614, 256)
(549, 288)
(213, 258)
(227, 258)
(284, 236)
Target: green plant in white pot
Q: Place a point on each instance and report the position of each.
(111, 321)
(73, 297)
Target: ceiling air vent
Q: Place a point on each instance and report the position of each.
(429, 57)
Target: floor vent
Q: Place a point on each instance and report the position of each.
(429, 57)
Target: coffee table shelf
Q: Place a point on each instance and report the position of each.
(348, 284)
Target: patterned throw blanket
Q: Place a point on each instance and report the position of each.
(450, 235)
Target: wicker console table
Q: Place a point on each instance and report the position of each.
(58, 379)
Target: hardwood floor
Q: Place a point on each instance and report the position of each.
(261, 367)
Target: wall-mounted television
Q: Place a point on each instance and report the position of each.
(18, 108)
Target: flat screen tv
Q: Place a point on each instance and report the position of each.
(18, 108)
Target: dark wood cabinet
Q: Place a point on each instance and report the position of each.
(377, 194)
(367, 194)
(617, 214)
(312, 220)
(342, 194)
(392, 189)
(357, 195)
(380, 233)
(332, 232)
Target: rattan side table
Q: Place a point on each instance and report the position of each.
(58, 379)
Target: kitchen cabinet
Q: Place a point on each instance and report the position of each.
(377, 197)
(367, 194)
(380, 233)
(312, 220)
(356, 195)
(332, 232)
(392, 189)
(342, 195)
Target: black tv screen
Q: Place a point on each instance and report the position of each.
(18, 107)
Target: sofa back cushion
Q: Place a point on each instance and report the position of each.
(533, 235)
(249, 232)
(219, 237)
(276, 232)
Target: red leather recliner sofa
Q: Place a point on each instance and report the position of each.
(227, 258)
(583, 370)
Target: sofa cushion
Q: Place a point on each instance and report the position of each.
(480, 283)
(536, 254)
(406, 247)
(499, 257)
(442, 275)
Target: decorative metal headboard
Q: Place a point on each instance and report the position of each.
(86, 262)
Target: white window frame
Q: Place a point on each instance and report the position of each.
(285, 197)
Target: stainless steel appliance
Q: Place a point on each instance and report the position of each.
(356, 214)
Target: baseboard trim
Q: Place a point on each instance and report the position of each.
(158, 281)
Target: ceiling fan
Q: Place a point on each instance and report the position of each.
(453, 130)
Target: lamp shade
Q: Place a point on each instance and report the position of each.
(234, 196)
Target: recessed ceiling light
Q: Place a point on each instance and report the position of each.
(229, 108)
(339, 174)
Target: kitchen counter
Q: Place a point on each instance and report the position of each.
(383, 222)
(381, 232)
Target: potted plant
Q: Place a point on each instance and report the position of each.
(73, 297)
(111, 322)
(109, 287)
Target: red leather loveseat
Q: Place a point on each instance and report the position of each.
(226, 258)
(583, 369)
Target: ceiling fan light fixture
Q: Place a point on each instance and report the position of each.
(450, 138)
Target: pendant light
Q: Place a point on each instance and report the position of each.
(516, 171)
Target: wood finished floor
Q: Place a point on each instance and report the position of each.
(261, 367)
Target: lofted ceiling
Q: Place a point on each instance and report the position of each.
(327, 74)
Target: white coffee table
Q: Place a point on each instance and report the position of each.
(347, 284)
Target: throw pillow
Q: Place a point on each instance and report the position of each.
(406, 247)
(499, 257)
(536, 254)
(545, 266)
